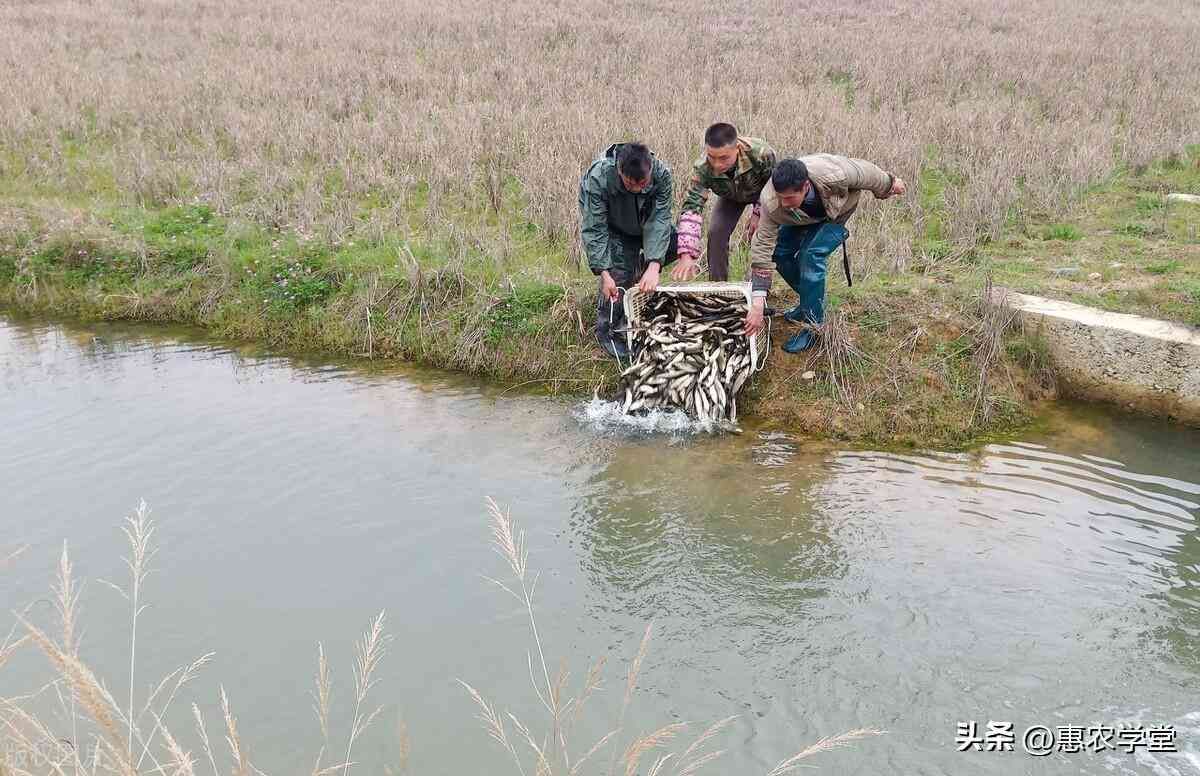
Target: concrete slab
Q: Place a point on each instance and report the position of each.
(1142, 363)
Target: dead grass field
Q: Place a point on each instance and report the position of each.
(398, 179)
(353, 118)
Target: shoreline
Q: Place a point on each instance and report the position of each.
(907, 372)
(913, 360)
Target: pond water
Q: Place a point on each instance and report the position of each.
(1052, 580)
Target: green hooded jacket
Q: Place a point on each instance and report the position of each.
(614, 222)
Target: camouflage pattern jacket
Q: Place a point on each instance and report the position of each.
(615, 223)
(741, 184)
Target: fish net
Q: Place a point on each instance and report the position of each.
(636, 303)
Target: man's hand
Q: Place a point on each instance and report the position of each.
(685, 268)
(898, 187)
(754, 316)
(752, 226)
(608, 286)
(649, 280)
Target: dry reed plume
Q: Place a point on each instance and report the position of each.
(301, 114)
(552, 753)
(100, 737)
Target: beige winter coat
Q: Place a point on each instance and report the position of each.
(839, 181)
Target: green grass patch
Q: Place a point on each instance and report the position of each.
(1134, 230)
(843, 79)
(931, 193)
(1066, 232)
(1163, 267)
(81, 260)
(8, 267)
(286, 284)
(1149, 204)
(521, 312)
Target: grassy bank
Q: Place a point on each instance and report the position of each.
(1125, 247)
(910, 356)
(908, 370)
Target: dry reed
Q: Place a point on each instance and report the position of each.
(823, 745)
(321, 697)
(996, 317)
(295, 114)
(139, 531)
(368, 652)
(119, 744)
(509, 542)
(116, 732)
(845, 362)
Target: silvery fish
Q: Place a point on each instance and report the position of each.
(690, 355)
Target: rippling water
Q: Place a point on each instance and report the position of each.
(1053, 580)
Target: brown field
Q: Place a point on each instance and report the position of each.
(352, 117)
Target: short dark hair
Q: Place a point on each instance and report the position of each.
(633, 161)
(720, 135)
(789, 175)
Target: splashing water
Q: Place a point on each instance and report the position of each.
(607, 417)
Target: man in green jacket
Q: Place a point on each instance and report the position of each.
(735, 168)
(804, 211)
(625, 224)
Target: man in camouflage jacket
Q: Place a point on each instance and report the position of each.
(805, 207)
(735, 168)
(625, 224)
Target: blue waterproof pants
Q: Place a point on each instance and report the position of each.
(801, 257)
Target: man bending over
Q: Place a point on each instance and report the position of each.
(735, 168)
(625, 224)
(805, 207)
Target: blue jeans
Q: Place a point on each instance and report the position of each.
(801, 256)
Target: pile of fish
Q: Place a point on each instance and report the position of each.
(691, 354)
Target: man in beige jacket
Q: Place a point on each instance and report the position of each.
(804, 209)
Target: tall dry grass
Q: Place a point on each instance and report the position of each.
(95, 734)
(551, 751)
(299, 112)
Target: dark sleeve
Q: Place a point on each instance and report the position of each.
(697, 194)
(593, 224)
(657, 235)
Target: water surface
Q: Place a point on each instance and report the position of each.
(1051, 580)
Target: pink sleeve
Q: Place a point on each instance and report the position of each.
(689, 233)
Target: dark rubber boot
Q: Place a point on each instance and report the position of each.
(801, 340)
(610, 316)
